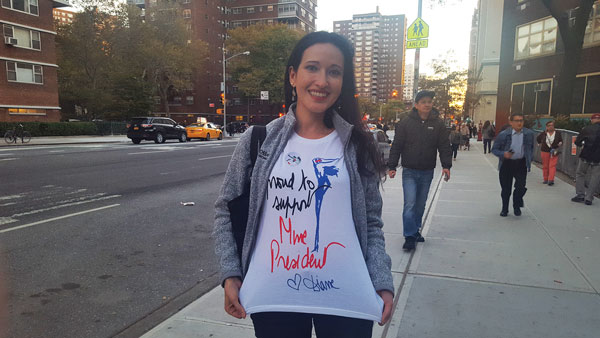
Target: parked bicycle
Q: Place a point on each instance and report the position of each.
(18, 132)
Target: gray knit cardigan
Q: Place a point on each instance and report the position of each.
(366, 201)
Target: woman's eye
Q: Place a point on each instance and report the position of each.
(311, 68)
(335, 72)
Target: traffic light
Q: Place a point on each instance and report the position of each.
(395, 93)
(223, 98)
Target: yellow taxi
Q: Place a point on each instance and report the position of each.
(204, 131)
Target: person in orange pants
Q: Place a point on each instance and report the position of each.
(550, 141)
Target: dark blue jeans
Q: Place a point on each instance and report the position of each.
(299, 325)
(415, 184)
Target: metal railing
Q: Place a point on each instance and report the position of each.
(567, 161)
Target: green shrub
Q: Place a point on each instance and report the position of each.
(53, 128)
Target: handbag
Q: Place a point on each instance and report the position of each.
(239, 206)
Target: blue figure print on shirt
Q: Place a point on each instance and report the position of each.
(323, 171)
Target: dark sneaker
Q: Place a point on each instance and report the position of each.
(504, 213)
(545, 182)
(517, 211)
(588, 202)
(551, 183)
(578, 199)
(420, 239)
(409, 243)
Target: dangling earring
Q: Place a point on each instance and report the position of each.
(293, 94)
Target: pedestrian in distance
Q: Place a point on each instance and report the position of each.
(314, 250)
(465, 131)
(455, 141)
(588, 166)
(550, 142)
(418, 139)
(488, 133)
(514, 148)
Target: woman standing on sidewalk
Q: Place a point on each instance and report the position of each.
(314, 250)
(550, 141)
(488, 135)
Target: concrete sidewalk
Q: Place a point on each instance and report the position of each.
(83, 139)
(477, 274)
(57, 140)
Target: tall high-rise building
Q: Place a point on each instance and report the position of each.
(379, 42)
(209, 21)
(409, 82)
(484, 59)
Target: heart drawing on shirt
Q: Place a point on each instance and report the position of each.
(295, 283)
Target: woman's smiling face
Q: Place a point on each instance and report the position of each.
(318, 79)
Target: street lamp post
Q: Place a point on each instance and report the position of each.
(225, 85)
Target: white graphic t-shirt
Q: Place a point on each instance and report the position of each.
(307, 257)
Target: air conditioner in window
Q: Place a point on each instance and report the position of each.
(10, 41)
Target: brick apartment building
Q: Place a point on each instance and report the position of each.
(379, 43)
(531, 56)
(62, 16)
(209, 21)
(28, 70)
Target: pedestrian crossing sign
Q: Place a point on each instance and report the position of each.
(418, 30)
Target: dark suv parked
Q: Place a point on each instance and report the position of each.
(157, 129)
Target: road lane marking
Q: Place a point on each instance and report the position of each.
(11, 197)
(8, 159)
(150, 152)
(9, 154)
(210, 158)
(64, 205)
(233, 145)
(57, 218)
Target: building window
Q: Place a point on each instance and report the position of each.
(237, 11)
(187, 13)
(13, 111)
(186, 1)
(24, 72)
(287, 9)
(531, 98)
(27, 6)
(189, 100)
(535, 39)
(592, 31)
(270, 8)
(236, 24)
(586, 95)
(25, 38)
(250, 10)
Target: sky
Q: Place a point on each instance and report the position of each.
(449, 25)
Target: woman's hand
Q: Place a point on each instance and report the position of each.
(388, 304)
(232, 301)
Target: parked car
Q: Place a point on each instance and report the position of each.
(157, 129)
(204, 131)
(384, 144)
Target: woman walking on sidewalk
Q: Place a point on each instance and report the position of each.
(465, 131)
(313, 250)
(550, 141)
(488, 135)
(455, 141)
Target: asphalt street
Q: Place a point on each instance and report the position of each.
(94, 238)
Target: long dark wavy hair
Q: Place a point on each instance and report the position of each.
(346, 105)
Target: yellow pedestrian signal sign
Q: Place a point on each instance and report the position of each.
(412, 44)
(418, 30)
(220, 111)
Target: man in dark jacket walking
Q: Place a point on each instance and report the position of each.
(514, 149)
(419, 138)
(589, 162)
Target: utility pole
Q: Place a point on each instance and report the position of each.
(417, 58)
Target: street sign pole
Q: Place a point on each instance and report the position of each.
(417, 58)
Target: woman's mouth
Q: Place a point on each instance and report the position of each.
(318, 95)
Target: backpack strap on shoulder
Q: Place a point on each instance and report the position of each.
(258, 137)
